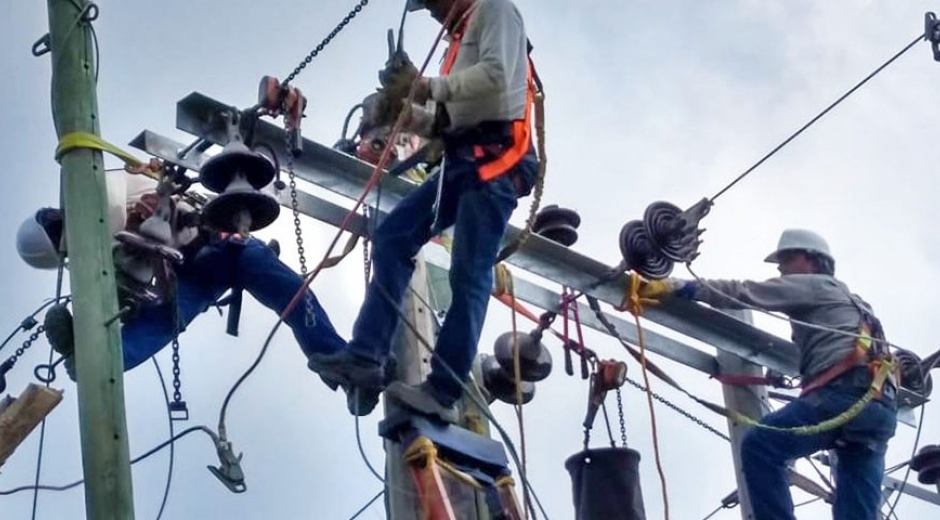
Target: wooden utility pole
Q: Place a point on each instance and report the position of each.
(105, 457)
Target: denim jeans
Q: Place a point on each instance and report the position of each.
(479, 212)
(860, 447)
(203, 279)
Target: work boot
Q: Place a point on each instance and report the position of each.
(346, 369)
(361, 400)
(58, 327)
(421, 399)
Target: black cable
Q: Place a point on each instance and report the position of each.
(920, 424)
(369, 503)
(157, 448)
(42, 443)
(362, 451)
(817, 118)
(169, 417)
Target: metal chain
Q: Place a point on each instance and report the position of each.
(623, 423)
(26, 344)
(177, 395)
(682, 412)
(309, 319)
(319, 48)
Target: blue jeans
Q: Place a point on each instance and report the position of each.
(203, 279)
(860, 447)
(479, 212)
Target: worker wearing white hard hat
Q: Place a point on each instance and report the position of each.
(843, 355)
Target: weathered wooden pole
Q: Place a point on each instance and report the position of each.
(99, 362)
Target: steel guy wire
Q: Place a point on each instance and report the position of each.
(818, 117)
(368, 504)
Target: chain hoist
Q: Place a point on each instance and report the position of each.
(606, 375)
(309, 318)
(7, 365)
(326, 41)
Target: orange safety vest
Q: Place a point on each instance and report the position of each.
(521, 128)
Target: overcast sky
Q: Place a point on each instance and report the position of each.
(646, 101)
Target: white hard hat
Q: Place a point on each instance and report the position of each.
(33, 241)
(800, 240)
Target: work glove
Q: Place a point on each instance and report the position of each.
(398, 75)
(659, 289)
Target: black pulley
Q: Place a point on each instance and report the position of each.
(606, 484)
(57, 324)
(235, 160)
(640, 253)
(914, 377)
(927, 465)
(500, 385)
(535, 361)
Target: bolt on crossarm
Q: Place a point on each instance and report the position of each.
(105, 453)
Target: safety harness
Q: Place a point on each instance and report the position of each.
(871, 350)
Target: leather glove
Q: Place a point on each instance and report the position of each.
(659, 289)
(398, 75)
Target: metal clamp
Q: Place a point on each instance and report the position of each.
(229, 471)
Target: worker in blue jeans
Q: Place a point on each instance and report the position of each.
(841, 347)
(484, 97)
(216, 267)
(213, 264)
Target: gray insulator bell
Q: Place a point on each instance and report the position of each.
(241, 208)
(501, 385)
(535, 361)
(236, 159)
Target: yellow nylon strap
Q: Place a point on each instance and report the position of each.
(422, 452)
(77, 140)
(503, 280)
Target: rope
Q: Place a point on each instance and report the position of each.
(522, 237)
(504, 285)
(635, 305)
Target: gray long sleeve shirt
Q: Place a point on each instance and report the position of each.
(813, 298)
(489, 79)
